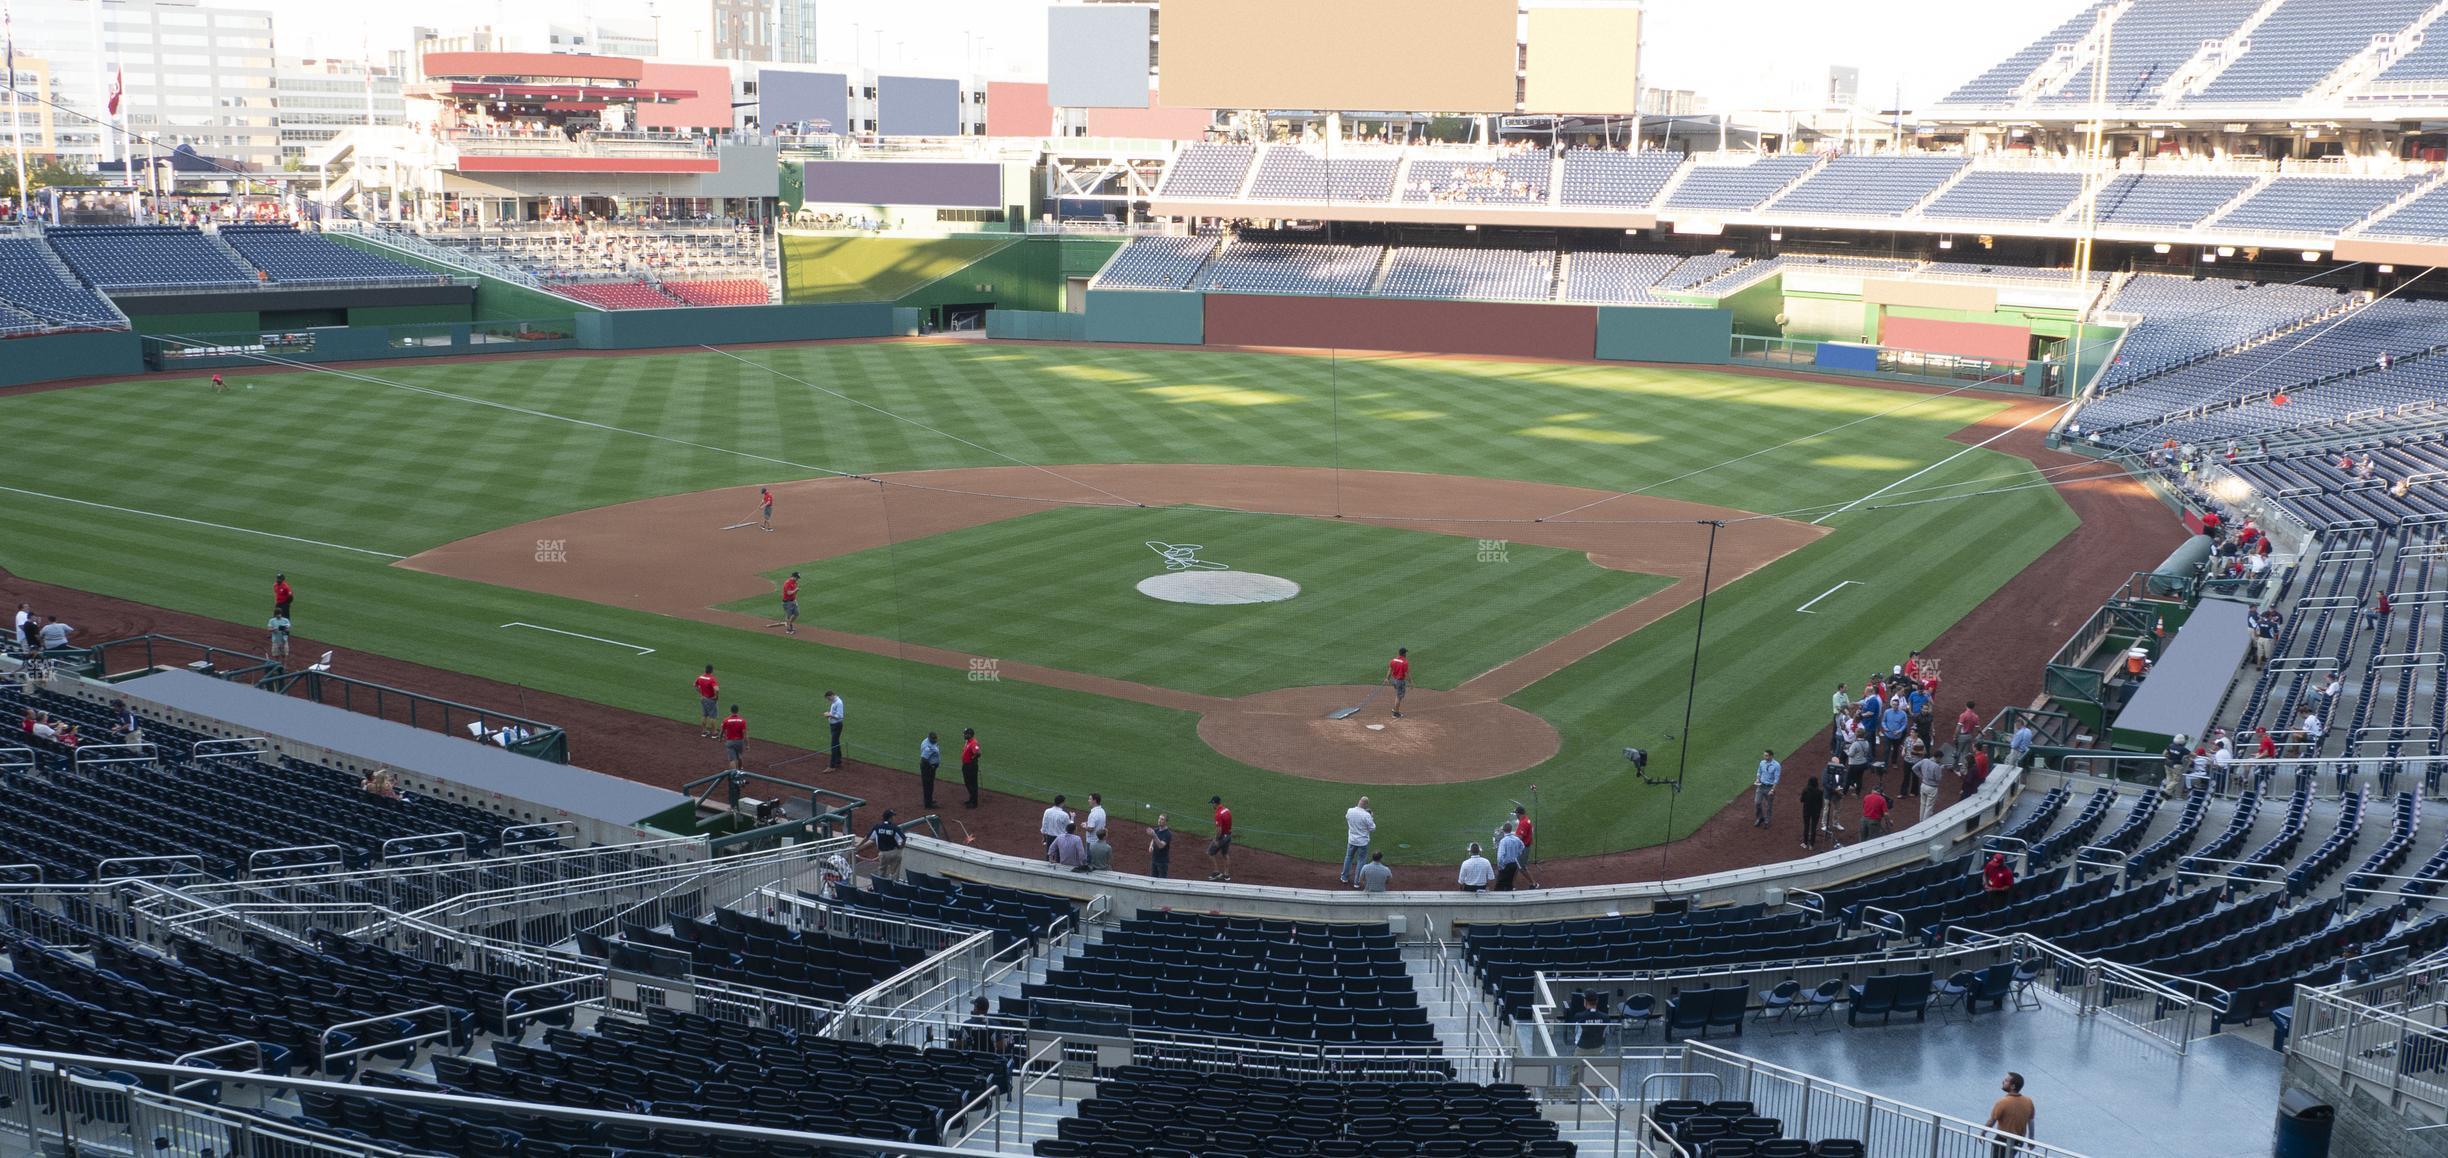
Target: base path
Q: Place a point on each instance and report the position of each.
(679, 555)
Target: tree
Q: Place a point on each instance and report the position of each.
(45, 173)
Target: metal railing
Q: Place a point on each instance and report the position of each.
(2173, 1011)
(61, 1102)
(1814, 1107)
(2387, 1038)
(407, 889)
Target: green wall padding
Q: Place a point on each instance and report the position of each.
(731, 325)
(1037, 325)
(45, 357)
(231, 322)
(1639, 334)
(1171, 317)
(408, 315)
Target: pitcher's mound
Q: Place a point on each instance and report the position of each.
(1218, 588)
(1442, 737)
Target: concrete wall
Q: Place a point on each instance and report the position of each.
(2366, 1127)
(1524, 329)
(1431, 905)
(1165, 317)
(1637, 334)
(49, 356)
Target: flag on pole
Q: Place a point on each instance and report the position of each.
(118, 86)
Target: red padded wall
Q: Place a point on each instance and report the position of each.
(1525, 329)
(1963, 339)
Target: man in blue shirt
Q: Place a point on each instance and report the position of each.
(2022, 745)
(1918, 702)
(930, 758)
(1763, 788)
(1508, 859)
(1893, 723)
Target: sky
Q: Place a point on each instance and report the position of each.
(1739, 53)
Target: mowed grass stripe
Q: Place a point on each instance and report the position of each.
(1057, 589)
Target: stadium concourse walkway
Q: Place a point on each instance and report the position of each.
(2100, 1088)
(1994, 656)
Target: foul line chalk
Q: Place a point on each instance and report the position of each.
(575, 635)
(201, 523)
(1806, 608)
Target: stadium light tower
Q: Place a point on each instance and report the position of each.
(2094, 160)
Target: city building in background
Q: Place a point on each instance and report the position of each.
(318, 99)
(186, 74)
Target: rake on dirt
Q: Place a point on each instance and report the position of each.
(1354, 710)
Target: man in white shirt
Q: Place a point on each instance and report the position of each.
(1096, 814)
(1056, 820)
(18, 635)
(55, 634)
(1359, 828)
(2311, 730)
(833, 720)
(1476, 871)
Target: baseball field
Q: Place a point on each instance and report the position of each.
(971, 522)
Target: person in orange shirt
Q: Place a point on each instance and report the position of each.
(1398, 674)
(790, 604)
(2012, 1115)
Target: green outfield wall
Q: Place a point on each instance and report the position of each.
(1165, 317)
(1642, 334)
(46, 357)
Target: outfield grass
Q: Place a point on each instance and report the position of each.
(1057, 588)
(338, 463)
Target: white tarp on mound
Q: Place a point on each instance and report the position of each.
(1218, 587)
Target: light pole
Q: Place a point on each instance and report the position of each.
(1691, 692)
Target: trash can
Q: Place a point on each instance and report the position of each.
(2304, 1123)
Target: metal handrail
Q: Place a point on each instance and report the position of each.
(2081, 858)
(253, 1048)
(224, 746)
(512, 994)
(1062, 1081)
(102, 870)
(446, 844)
(86, 754)
(338, 858)
(16, 756)
(555, 827)
(323, 1050)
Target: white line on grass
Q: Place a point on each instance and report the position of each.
(200, 523)
(1806, 608)
(575, 635)
(2050, 414)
